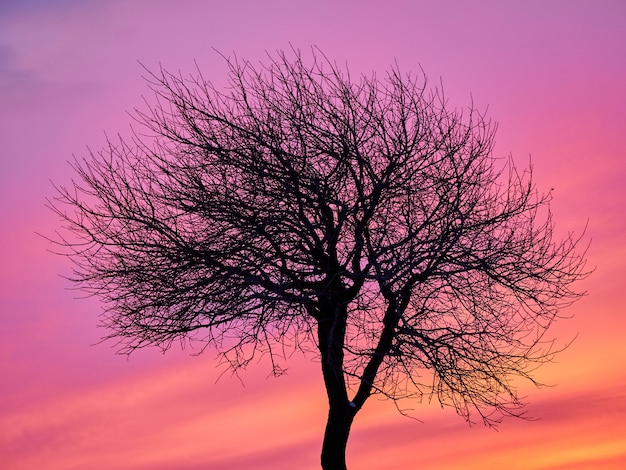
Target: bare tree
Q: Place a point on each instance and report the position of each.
(362, 220)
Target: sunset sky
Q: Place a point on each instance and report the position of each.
(551, 73)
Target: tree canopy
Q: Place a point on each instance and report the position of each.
(362, 220)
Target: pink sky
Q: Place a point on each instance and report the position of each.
(554, 77)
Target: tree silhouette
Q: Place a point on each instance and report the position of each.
(362, 220)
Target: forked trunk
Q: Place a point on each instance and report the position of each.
(336, 437)
(331, 334)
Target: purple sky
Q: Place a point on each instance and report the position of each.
(552, 74)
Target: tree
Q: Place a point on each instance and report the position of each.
(363, 221)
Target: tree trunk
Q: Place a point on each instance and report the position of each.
(336, 437)
(340, 412)
(331, 331)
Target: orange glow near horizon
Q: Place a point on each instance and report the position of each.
(162, 419)
(553, 76)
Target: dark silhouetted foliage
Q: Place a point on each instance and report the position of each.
(363, 221)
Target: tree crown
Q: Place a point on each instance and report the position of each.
(363, 220)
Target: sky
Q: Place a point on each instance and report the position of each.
(552, 74)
